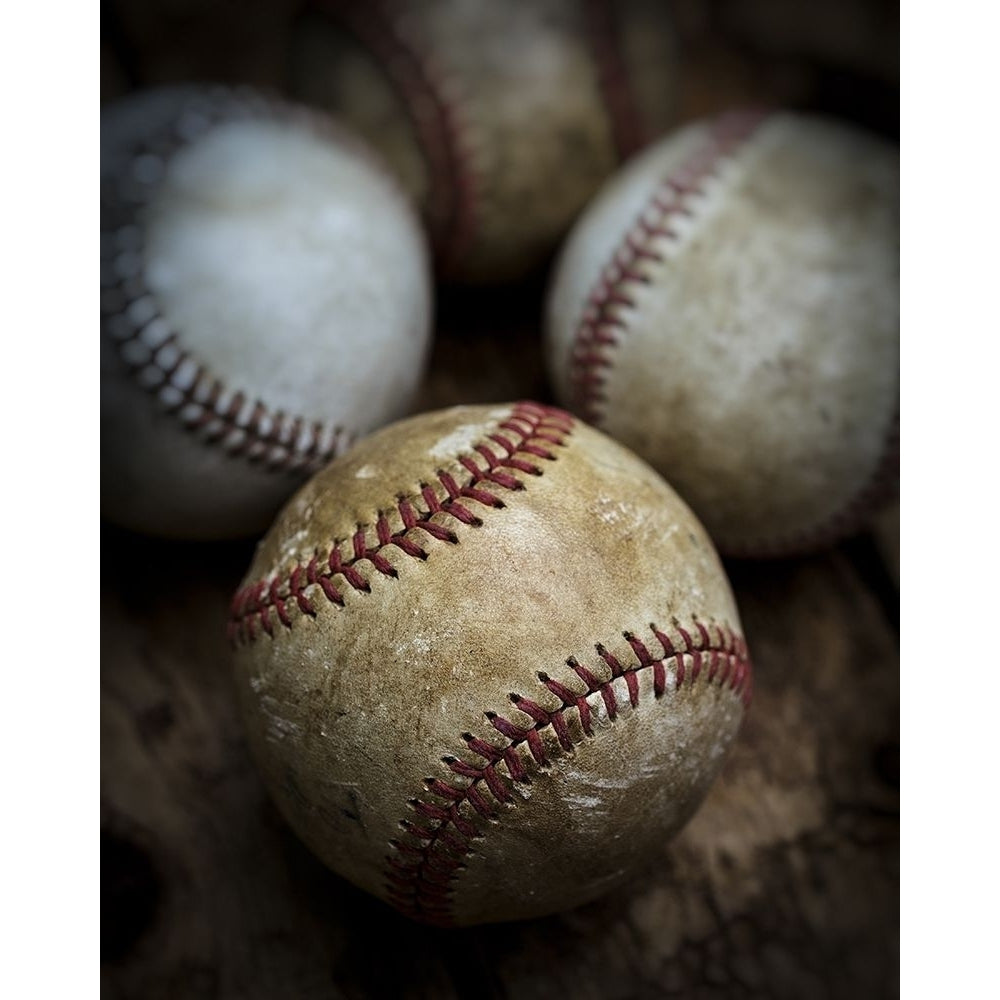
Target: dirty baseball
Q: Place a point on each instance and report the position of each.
(488, 663)
(728, 307)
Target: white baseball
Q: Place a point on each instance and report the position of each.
(728, 307)
(265, 299)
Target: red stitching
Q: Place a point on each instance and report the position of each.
(627, 129)
(595, 338)
(425, 861)
(452, 208)
(152, 351)
(528, 423)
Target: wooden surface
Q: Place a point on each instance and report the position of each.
(785, 884)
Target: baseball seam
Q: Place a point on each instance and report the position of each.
(429, 98)
(528, 434)
(425, 862)
(603, 37)
(604, 322)
(152, 350)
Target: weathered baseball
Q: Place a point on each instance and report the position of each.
(488, 663)
(502, 117)
(265, 298)
(728, 307)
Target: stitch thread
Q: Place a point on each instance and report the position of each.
(146, 342)
(426, 860)
(442, 134)
(602, 324)
(627, 128)
(529, 434)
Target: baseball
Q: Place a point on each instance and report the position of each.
(501, 118)
(728, 307)
(265, 299)
(488, 663)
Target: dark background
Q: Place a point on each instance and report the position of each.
(786, 882)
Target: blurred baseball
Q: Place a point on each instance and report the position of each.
(265, 298)
(501, 118)
(488, 663)
(728, 307)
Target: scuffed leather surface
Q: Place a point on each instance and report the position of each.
(758, 365)
(350, 710)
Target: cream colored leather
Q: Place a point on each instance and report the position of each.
(403, 654)
(750, 323)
